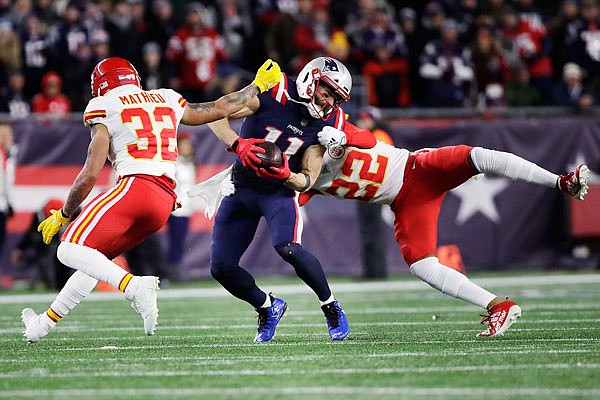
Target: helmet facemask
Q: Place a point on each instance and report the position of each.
(327, 92)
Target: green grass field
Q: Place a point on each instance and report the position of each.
(203, 347)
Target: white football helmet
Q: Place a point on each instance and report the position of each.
(330, 72)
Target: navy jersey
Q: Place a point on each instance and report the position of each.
(285, 123)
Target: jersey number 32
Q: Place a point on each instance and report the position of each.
(147, 144)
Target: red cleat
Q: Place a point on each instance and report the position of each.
(575, 183)
(500, 318)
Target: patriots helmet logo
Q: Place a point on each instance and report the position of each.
(330, 65)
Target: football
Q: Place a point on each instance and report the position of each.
(271, 157)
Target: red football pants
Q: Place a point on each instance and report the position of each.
(124, 215)
(428, 176)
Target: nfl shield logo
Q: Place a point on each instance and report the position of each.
(330, 65)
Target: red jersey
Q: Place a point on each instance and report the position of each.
(197, 55)
(59, 104)
(528, 40)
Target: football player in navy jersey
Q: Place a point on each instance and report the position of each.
(293, 114)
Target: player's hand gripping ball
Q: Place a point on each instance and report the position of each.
(279, 174)
(272, 156)
(247, 150)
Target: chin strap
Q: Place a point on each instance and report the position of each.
(301, 102)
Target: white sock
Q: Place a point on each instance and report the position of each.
(450, 282)
(331, 299)
(48, 322)
(77, 287)
(511, 166)
(92, 263)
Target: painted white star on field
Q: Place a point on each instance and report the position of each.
(477, 195)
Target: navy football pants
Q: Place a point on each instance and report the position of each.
(235, 227)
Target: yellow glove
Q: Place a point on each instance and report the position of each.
(51, 225)
(267, 76)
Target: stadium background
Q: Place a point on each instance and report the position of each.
(496, 224)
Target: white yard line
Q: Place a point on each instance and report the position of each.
(354, 342)
(355, 287)
(299, 313)
(82, 327)
(274, 392)
(231, 359)
(355, 334)
(44, 374)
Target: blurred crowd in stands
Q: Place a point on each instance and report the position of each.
(444, 53)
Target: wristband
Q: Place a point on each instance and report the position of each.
(235, 145)
(64, 214)
(307, 186)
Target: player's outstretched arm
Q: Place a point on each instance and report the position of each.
(352, 135)
(358, 137)
(243, 102)
(83, 184)
(237, 104)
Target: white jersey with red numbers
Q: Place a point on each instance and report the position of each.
(142, 126)
(374, 175)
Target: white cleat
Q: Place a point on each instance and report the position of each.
(35, 328)
(144, 301)
(583, 175)
(575, 183)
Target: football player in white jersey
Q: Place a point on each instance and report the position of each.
(414, 185)
(137, 130)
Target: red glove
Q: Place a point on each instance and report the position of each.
(276, 173)
(246, 149)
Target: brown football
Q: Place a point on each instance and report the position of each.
(271, 157)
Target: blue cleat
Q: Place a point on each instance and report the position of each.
(336, 320)
(268, 318)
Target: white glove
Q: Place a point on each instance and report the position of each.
(331, 137)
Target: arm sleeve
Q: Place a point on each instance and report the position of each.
(358, 137)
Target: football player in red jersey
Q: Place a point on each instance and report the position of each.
(414, 185)
(196, 48)
(137, 131)
(51, 99)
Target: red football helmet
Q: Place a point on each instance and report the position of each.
(111, 73)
